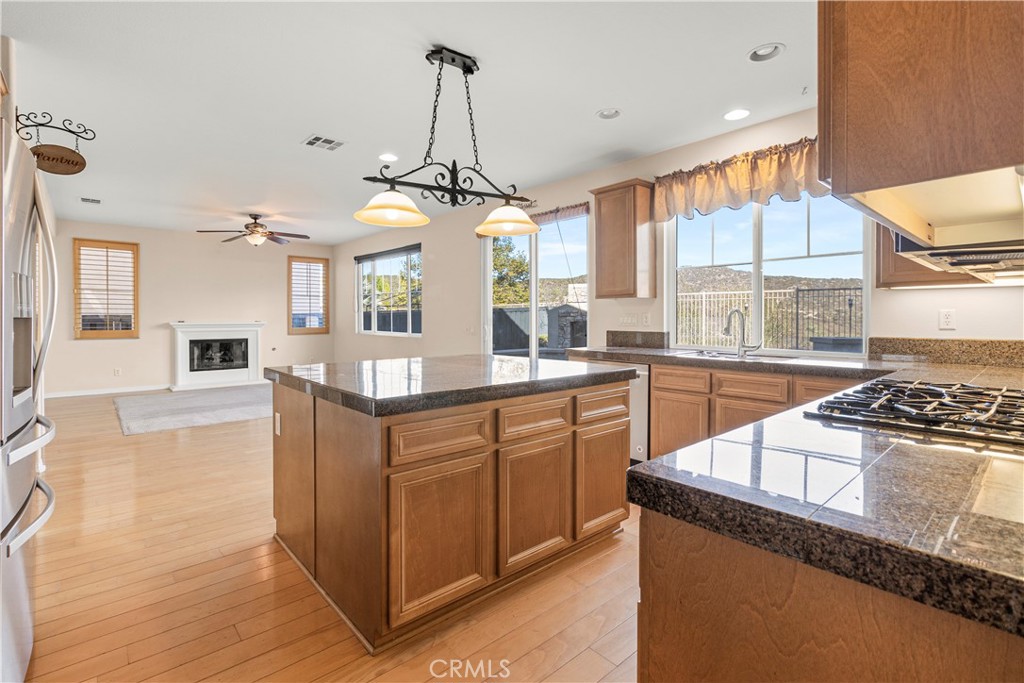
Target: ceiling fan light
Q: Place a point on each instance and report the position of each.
(391, 209)
(507, 220)
(255, 239)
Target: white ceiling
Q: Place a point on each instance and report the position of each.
(200, 109)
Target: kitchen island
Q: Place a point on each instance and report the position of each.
(409, 488)
(799, 549)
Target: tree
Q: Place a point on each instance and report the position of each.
(511, 272)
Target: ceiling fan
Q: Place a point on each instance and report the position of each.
(257, 233)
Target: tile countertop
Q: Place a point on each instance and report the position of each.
(939, 522)
(407, 385)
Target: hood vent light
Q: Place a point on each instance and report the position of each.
(90, 200)
(320, 142)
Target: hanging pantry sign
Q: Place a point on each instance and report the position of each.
(56, 159)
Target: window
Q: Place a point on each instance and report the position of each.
(795, 269)
(554, 262)
(391, 291)
(106, 289)
(309, 297)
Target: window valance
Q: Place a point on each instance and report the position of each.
(561, 213)
(784, 170)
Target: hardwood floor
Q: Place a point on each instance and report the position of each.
(159, 563)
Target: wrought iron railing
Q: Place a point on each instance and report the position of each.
(824, 319)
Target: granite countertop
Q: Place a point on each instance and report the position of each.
(825, 367)
(939, 521)
(407, 385)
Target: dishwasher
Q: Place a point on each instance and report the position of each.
(639, 400)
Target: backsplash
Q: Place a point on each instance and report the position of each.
(1002, 352)
(637, 339)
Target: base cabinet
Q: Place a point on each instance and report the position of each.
(689, 405)
(440, 535)
(534, 501)
(677, 420)
(732, 413)
(602, 456)
(403, 519)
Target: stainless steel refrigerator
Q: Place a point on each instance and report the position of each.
(28, 293)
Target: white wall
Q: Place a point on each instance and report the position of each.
(452, 262)
(183, 276)
(981, 312)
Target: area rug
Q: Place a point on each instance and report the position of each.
(196, 408)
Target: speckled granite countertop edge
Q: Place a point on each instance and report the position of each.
(384, 407)
(988, 597)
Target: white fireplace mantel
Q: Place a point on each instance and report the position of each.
(184, 332)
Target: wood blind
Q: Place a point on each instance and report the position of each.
(308, 295)
(106, 289)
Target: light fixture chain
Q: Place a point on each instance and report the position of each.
(427, 158)
(472, 125)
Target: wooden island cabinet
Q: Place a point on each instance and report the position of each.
(401, 519)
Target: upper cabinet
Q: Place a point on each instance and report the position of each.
(921, 114)
(624, 241)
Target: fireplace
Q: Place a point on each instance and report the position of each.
(205, 355)
(216, 354)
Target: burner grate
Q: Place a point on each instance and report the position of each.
(965, 410)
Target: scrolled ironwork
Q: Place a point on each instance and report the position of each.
(26, 123)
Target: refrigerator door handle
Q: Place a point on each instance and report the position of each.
(35, 444)
(28, 532)
(44, 210)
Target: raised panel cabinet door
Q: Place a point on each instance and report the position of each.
(441, 535)
(602, 456)
(732, 413)
(677, 420)
(615, 242)
(534, 501)
(294, 505)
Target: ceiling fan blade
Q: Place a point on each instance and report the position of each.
(277, 240)
(292, 234)
(232, 239)
(219, 231)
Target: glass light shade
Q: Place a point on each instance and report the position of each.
(255, 239)
(391, 209)
(507, 220)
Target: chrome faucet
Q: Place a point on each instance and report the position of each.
(741, 347)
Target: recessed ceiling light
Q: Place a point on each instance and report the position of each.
(762, 53)
(736, 114)
(388, 156)
(610, 113)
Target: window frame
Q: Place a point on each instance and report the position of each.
(326, 263)
(81, 242)
(756, 319)
(372, 259)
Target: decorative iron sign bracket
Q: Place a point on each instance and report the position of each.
(53, 158)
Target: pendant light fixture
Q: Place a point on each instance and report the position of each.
(452, 184)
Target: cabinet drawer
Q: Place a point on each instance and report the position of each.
(681, 379)
(602, 405)
(415, 441)
(533, 418)
(756, 386)
(807, 389)
(730, 413)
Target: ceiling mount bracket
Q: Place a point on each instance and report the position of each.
(463, 63)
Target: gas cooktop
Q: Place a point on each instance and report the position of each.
(954, 410)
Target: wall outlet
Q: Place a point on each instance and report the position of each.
(947, 318)
(117, 372)
(645, 319)
(277, 424)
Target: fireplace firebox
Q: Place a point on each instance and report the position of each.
(217, 354)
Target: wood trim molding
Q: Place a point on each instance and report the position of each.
(78, 244)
